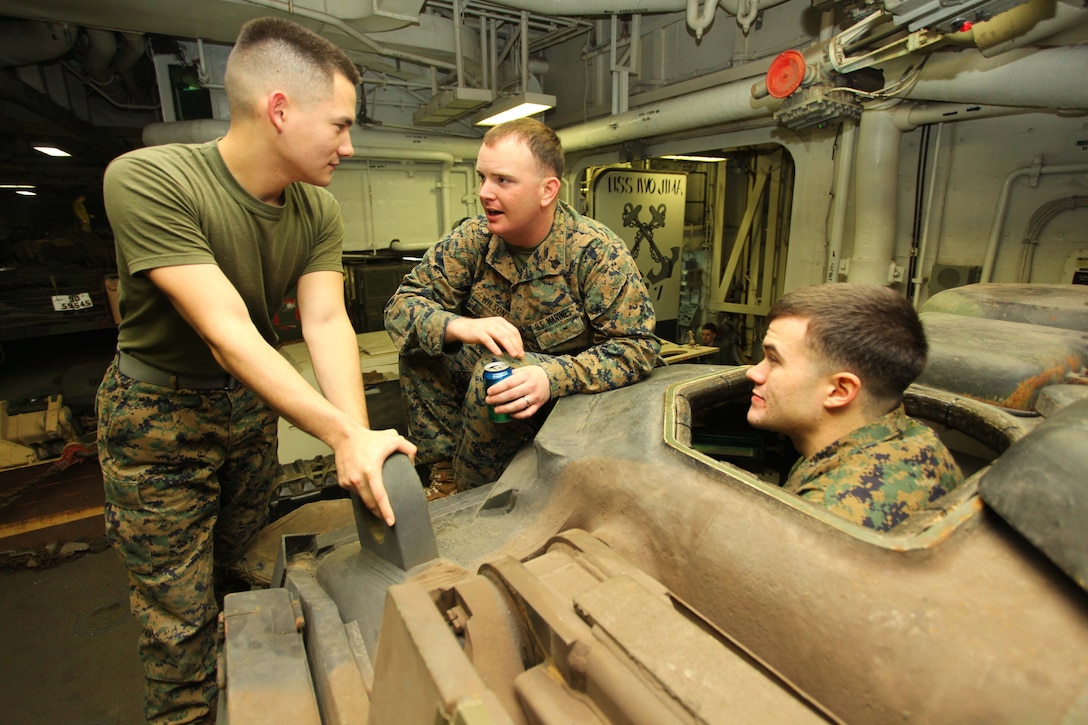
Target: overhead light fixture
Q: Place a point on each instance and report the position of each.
(519, 105)
(450, 105)
(26, 192)
(51, 151)
(16, 186)
(682, 157)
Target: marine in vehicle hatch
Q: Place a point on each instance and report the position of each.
(837, 359)
(555, 293)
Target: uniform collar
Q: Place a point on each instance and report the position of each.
(550, 256)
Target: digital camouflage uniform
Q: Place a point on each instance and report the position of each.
(188, 473)
(878, 474)
(175, 491)
(581, 307)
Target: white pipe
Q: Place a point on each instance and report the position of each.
(910, 116)
(1036, 169)
(923, 244)
(746, 17)
(202, 74)
(875, 197)
(844, 171)
(1049, 78)
(700, 21)
(721, 104)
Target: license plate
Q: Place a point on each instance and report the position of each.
(66, 303)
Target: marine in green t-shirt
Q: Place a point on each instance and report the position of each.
(209, 238)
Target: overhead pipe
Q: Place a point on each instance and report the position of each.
(721, 104)
(733, 101)
(291, 8)
(910, 116)
(31, 42)
(577, 8)
(699, 20)
(746, 17)
(1047, 78)
(1024, 25)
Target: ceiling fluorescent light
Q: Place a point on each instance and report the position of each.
(16, 186)
(681, 157)
(516, 106)
(51, 151)
(450, 105)
(25, 192)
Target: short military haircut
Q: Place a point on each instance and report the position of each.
(275, 53)
(712, 327)
(865, 329)
(542, 141)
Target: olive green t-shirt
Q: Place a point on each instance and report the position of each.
(178, 204)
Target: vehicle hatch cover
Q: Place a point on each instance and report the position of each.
(1040, 487)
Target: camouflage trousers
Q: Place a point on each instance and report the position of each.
(447, 416)
(188, 477)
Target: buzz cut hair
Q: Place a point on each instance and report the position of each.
(543, 143)
(276, 53)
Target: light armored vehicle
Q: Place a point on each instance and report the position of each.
(638, 563)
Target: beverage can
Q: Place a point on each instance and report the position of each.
(494, 372)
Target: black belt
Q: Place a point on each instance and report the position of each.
(139, 370)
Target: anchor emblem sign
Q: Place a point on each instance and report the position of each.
(645, 232)
(646, 208)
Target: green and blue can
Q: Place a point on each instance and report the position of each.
(494, 372)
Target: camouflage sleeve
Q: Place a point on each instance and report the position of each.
(618, 306)
(431, 295)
